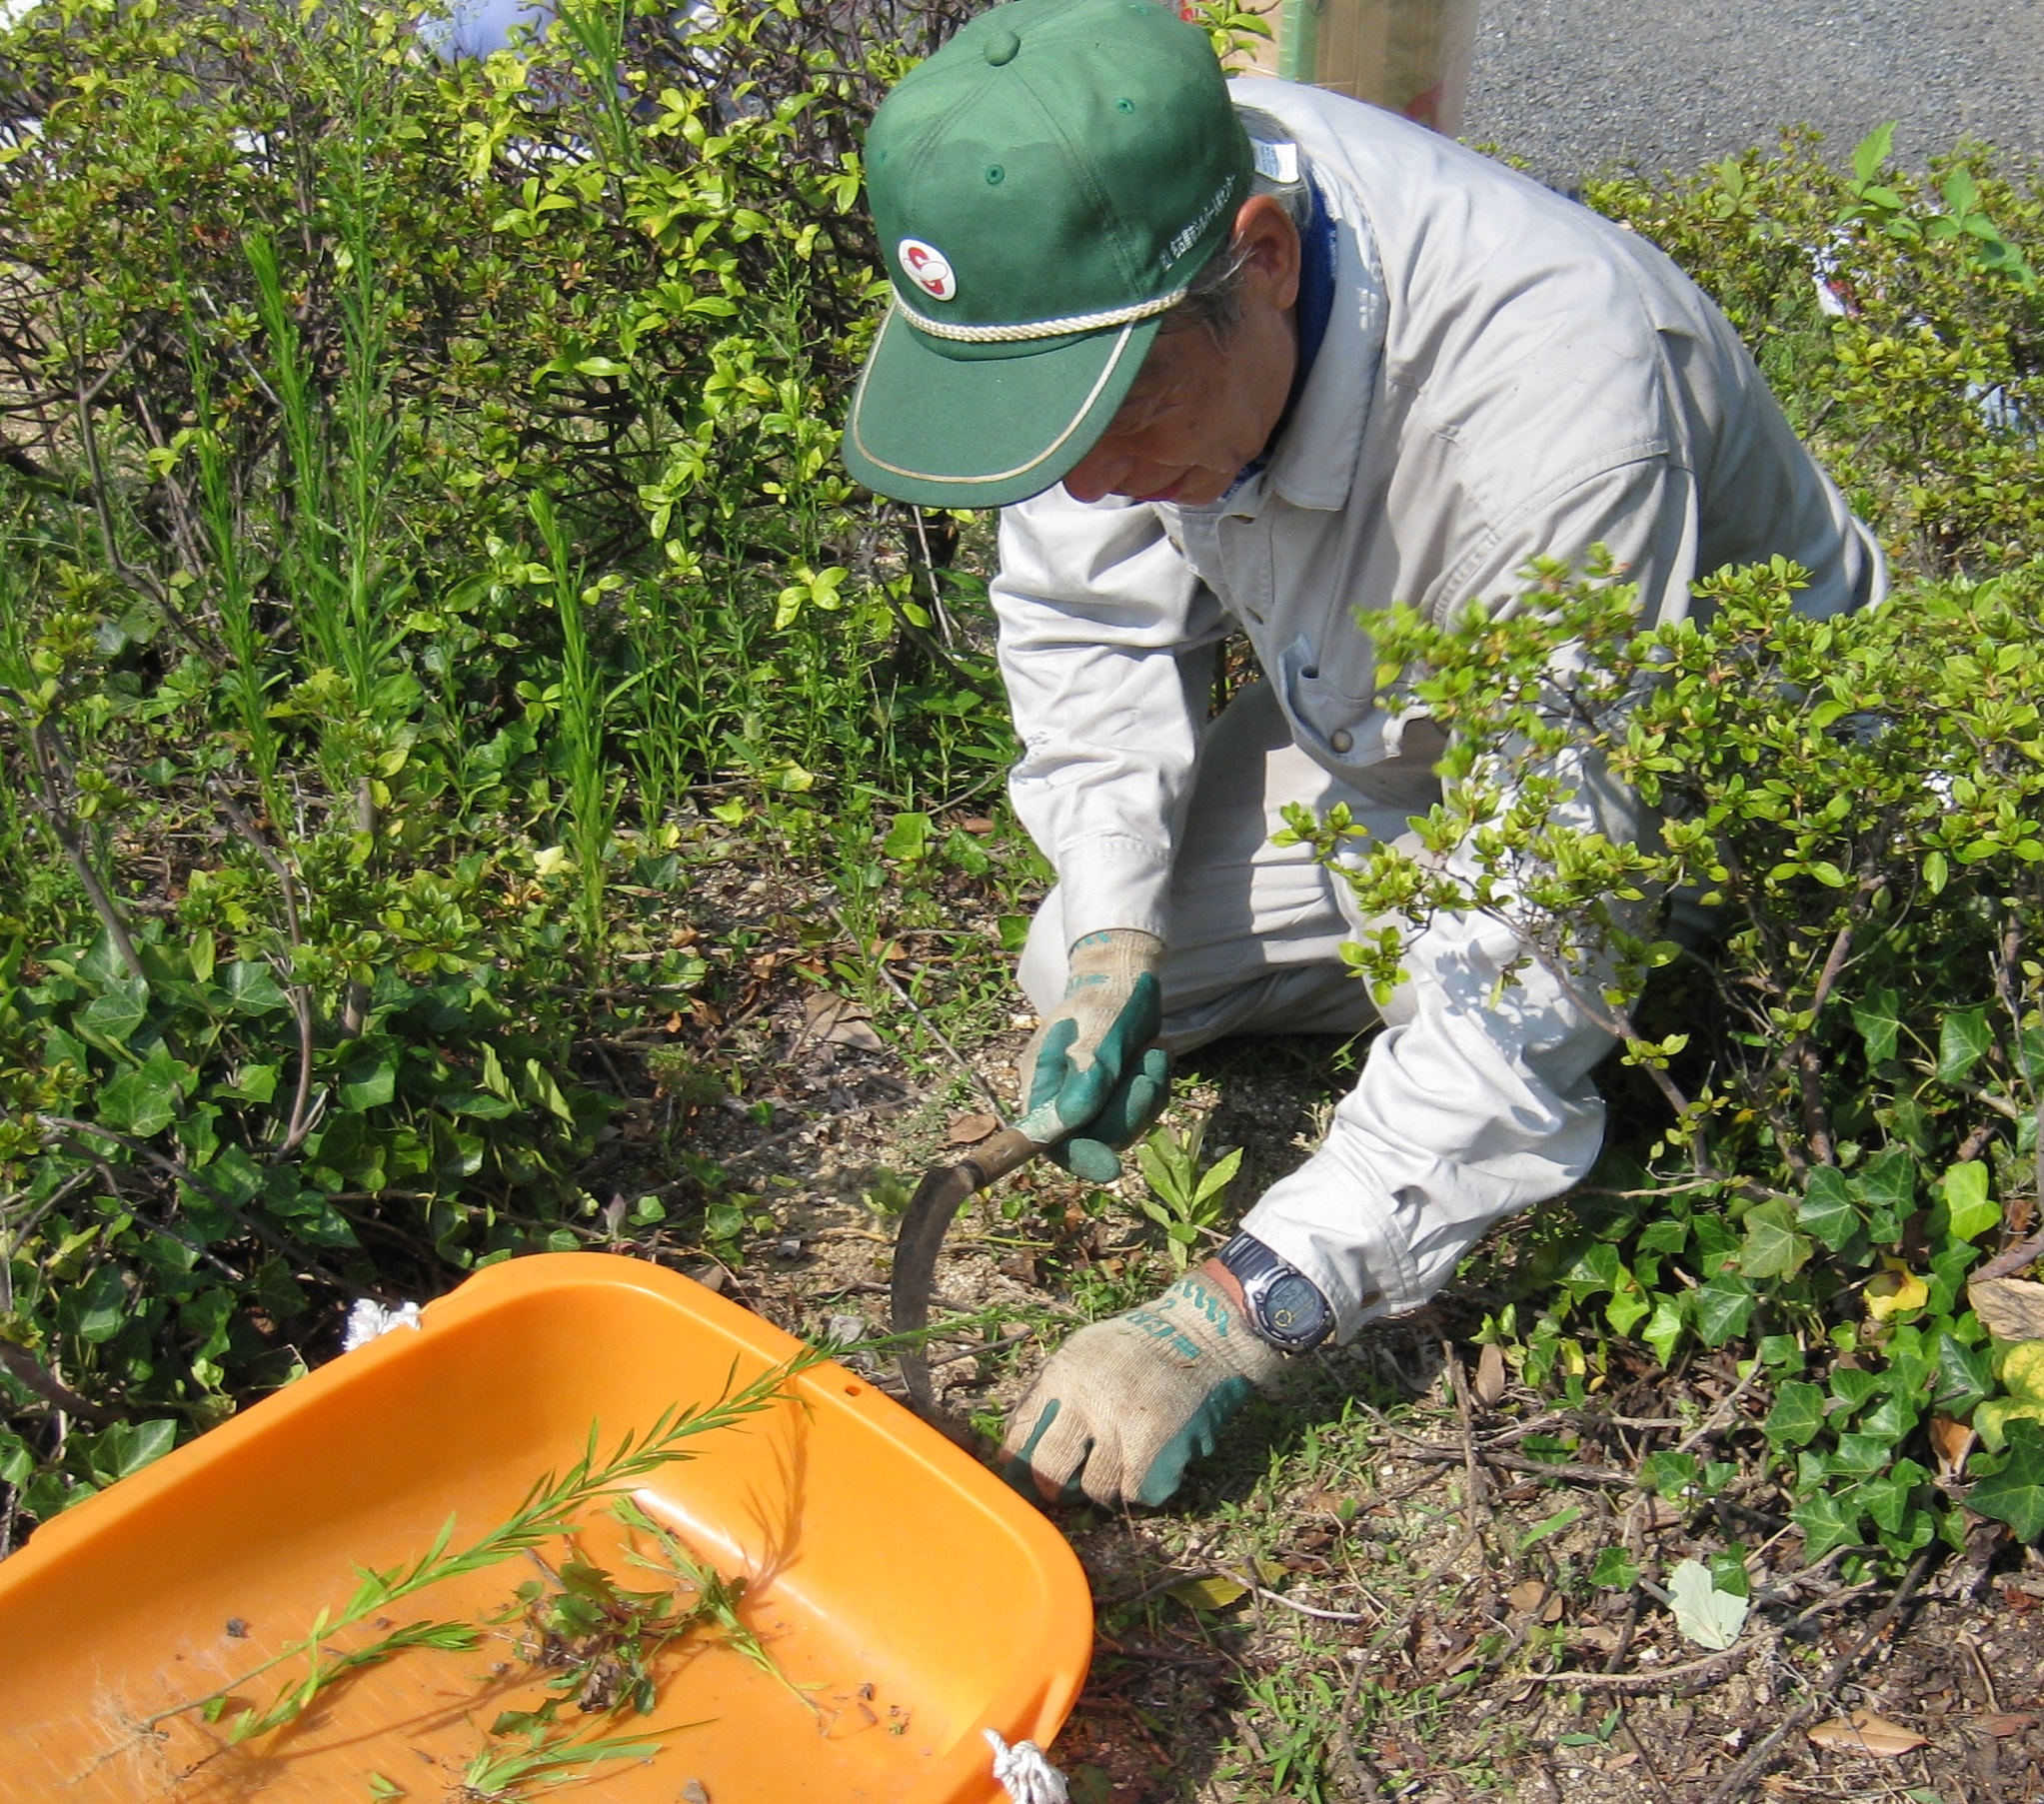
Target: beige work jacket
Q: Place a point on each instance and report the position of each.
(1506, 375)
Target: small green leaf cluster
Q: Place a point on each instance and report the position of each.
(1186, 1203)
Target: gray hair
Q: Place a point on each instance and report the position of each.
(1214, 299)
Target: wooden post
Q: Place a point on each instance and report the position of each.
(1411, 56)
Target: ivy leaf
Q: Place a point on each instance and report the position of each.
(252, 989)
(1723, 1308)
(1706, 1615)
(1826, 1522)
(1860, 1455)
(1628, 1303)
(1964, 1040)
(145, 1101)
(1895, 1291)
(1826, 1210)
(1797, 1414)
(2010, 1309)
(1214, 1593)
(1772, 1247)
(112, 1016)
(1669, 1473)
(370, 1079)
(1971, 1211)
(1878, 1016)
(2014, 1493)
(1615, 1571)
(1664, 1330)
(1887, 1182)
(1600, 1268)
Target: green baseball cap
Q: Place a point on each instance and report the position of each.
(1045, 188)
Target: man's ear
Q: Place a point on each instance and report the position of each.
(1266, 241)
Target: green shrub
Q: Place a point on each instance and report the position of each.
(1921, 387)
(413, 479)
(1850, 1111)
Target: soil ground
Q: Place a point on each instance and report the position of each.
(1385, 1586)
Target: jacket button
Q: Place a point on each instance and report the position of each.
(1341, 739)
(1370, 1298)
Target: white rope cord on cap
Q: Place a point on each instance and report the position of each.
(1024, 1774)
(1015, 334)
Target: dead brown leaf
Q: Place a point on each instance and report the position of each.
(840, 1022)
(969, 1131)
(2003, 1724)
(1862, 1732)
(1952, 1441)
(1534, 1594)
(1490, 1376)
(977, 824)
(2010, 1309)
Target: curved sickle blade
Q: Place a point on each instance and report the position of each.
(920, 1240)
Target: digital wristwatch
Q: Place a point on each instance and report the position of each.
(1283, 1305)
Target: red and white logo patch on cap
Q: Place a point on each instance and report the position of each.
(927, 268)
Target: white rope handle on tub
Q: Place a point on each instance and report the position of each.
(1024, 1774)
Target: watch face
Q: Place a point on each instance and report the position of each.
(1293, 1307)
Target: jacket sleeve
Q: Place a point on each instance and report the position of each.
(1105, 643)
(1476, 1100)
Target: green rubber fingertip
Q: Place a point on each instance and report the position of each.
(1089, 1158)
(1021, 1475)
(1195, 1440)
(1052, 1066)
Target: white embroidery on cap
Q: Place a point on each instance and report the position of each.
(1189, 235)
(929, 268)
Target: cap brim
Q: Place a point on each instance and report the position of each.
(980, 432)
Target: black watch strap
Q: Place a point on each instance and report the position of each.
(1284, 1306)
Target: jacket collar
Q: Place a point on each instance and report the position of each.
(1314, 464)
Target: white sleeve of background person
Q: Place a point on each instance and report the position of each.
(1470, 1109)
(1105, 639)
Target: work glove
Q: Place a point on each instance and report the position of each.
(1123, 1405)
(1091, 1079)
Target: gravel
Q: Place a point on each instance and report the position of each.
(1580, 86)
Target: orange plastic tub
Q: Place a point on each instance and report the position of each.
(909, 1594)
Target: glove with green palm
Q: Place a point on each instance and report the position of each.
(1093, 1077)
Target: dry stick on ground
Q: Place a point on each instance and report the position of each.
(1473, 1500)
(1721, 1415)
(1511, 1462)
(1742, 1776)
(1645, 1759)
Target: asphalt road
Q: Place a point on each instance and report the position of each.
(1578, 86)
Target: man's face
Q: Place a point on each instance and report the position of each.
(1206, 406)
